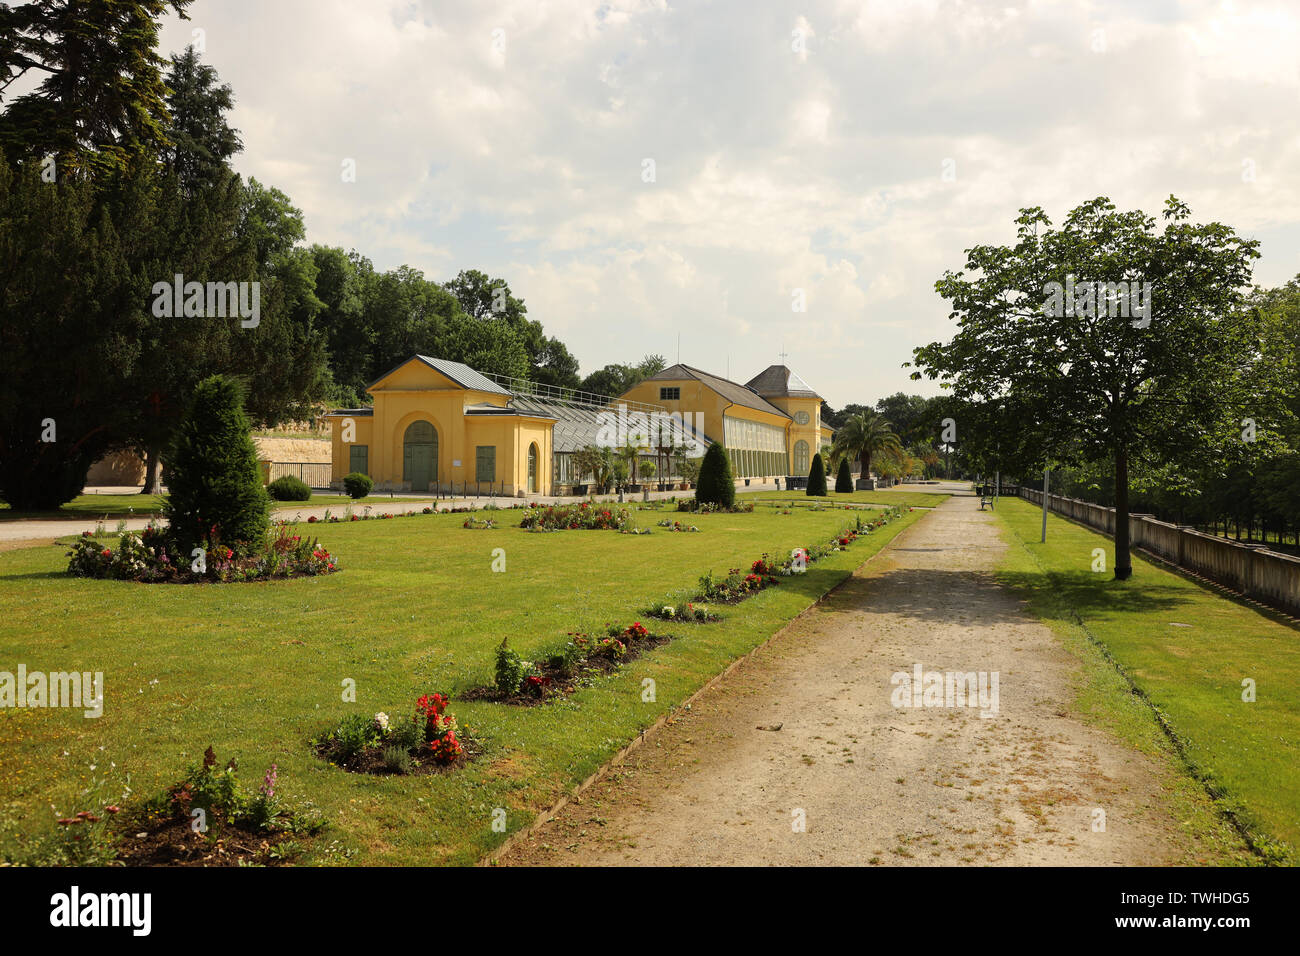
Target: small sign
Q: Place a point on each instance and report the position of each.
(455, 463)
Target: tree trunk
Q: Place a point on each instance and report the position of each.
(866, 466)
(152, 483)
(1123, 561)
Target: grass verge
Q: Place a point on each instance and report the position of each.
(1164, 661)
(256, 670)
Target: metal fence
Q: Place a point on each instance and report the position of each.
(316, 474)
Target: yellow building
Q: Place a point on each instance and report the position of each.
(438, 425)
(771, 426)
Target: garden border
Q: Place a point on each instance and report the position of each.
(493, 856)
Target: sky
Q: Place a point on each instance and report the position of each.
(649, 173)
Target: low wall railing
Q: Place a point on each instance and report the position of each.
(1251, 569)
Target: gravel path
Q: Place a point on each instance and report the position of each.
(875, 783)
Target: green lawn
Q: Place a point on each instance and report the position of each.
(886, 498)
(1188, 649)
(255, 670)
(123, 506)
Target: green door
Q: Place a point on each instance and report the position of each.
(420, 456)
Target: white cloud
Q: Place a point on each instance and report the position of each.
(510, 137)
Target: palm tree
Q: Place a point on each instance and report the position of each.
(862, 436)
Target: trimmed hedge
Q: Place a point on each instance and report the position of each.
(357, 485)
(716, 485)
(817, 477)
(289, 488)
(843, 478)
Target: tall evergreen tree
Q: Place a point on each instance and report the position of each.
(843, 478)
(214, 484)
(100, 103)
(817, 477)
(716, 485)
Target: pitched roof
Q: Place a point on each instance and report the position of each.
(777, 381)
(458, 372)
(732, 391)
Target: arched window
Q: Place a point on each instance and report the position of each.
(532, 468)
(801, 462)
(420, 455)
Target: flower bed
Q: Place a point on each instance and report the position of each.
(579, 517)
(685, 611)
(430, 741)
(209, 818)
(691, 505)
(479, 523)
(672, 525)
(576, 663)
(150, 558)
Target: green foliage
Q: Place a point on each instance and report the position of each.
(213, 479)
(716, 485)
(617, 379)
(70, 323)
(843, 478)
(511, 669)
(397, 759)
(99, 104)
(357, 485)
(289, 488)
(1046, 380)
(354, 734)
(817, 478)
(862, 436)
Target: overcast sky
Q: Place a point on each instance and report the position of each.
(850, 150)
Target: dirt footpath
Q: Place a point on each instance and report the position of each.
(871, 782)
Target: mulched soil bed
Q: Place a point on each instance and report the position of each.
(170, 841)
(371, 760)
(560, 684)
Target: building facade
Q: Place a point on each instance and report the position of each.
(771, 426)
(440, 426)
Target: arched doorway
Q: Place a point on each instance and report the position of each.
(420, 455)
(532, 468)
(801, 463)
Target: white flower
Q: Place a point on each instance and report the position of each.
(381, 719)
(669, 611)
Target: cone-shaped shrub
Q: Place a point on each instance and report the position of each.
(817, 477)
(716, 485)
(843, 478)
(213, 480)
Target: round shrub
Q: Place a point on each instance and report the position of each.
(817, 477)
(716, 485)
(357, 485)
(843, 478)
(214, 483)
(289, 488)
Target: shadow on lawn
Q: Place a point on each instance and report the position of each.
(928, 594)
(1057, 594)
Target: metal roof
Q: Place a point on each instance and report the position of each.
(778, 381)
(458, 372)
(734, 392)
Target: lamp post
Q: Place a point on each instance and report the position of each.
(1046, 471)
